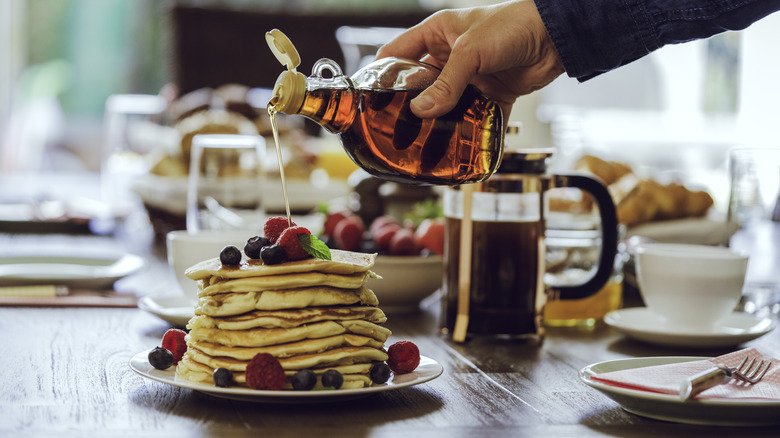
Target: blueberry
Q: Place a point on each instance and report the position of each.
(332, 379)
(230, 256)
(273, 254)
(379, 373)
(304, 380)
(223, 378)
(254, 245)
(161, 358)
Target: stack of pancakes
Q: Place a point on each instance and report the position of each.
(310, 314)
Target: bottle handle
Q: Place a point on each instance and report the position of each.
(326, 73)
(609, 233)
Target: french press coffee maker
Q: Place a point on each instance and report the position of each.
(494, 252)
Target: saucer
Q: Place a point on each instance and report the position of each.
(175, 309)
(640, 323)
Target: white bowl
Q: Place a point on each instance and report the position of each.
(406, 280)
(187, 249)
(690, 286)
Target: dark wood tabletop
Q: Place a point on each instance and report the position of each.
(66, 371)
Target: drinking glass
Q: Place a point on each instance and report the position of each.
(128, 133)
(754, 212)
(224, 189)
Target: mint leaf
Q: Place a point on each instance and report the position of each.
(314, 246)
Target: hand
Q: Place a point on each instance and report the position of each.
(502, 49)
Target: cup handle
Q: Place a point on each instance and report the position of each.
(609, 233)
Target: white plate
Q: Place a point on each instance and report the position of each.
(76, 272)
(176, 309)
(667, 407)
(640, 323)
(428, 370)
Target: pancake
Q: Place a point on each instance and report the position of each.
(305, 346)
(342, 262)
(274, 336)
(355, 376)
(288, 318)
(332, 357)
(231, 304)
(288, 281)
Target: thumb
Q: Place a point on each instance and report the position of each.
(442, 96)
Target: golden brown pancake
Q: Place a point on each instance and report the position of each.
(275, 336)
(288, 281)
(332, 357)
(305, 346)
(231, 304)
(288, 318)
(342, 262)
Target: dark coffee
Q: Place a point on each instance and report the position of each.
(506, 283)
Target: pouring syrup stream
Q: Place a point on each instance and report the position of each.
(272, 115)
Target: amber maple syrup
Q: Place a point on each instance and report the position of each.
(275, 130)
(381, 135)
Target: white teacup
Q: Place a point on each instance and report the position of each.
(187, 249)
(690, 287)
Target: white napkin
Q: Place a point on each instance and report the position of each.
(666, 379)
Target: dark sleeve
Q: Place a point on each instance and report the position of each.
(595, 36)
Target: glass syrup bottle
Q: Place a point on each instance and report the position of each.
(370, 112)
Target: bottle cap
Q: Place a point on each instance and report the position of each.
(283, 49)
(290, 88)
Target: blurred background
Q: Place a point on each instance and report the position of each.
(674, 113)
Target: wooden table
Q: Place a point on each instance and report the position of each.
(66, 372)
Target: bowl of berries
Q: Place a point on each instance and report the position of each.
(409, 256)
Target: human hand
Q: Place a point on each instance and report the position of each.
(502, 49)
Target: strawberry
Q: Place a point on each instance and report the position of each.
(349, 233)
(380, 222)
(274, 227)
(402, 243)
(265, 372)
(403, 357)
(384, 234)
(333, 219)
(173, 341)
(292, 246)
(430, 235)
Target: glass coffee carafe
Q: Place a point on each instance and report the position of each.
(495, 248)
(370, 113)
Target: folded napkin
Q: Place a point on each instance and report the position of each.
(666, 379)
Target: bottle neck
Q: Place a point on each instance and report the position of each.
(333, 108)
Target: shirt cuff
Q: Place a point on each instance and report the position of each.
(597, 36)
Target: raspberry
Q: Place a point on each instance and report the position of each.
(292, 246)
(274, 227)
(265, 372)
(173, 340)
(404, 357)
(349, 233)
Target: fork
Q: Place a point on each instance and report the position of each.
(721, 374)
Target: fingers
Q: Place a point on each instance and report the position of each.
(442, 96)
(409, 44)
